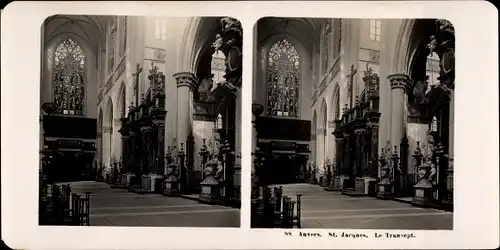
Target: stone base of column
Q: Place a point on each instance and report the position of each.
(384, 189)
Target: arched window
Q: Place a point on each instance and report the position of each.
(123, 104)
(69, 78)
(326, 45)
(283, 79)
(337, 104)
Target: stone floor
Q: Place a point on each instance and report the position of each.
(323, 209)
(118, 207)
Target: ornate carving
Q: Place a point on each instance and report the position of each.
(117, 122)
(157, 81)
(231, 24)
(372, 82)
(400, 81)
(443, 43)
(107, 130)
(186, 79)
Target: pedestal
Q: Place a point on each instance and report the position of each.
(150, 183)
(124, 181)
(384, 189)
(210, 190)
(171, 186)
(423, 194)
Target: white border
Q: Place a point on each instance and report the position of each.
(476, 217)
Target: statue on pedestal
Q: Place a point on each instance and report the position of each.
(218, 42)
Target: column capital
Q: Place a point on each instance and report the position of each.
(186, 79)
(401, 81)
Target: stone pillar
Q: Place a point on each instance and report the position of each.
(106, 149)
(400, 84)
(186, 83)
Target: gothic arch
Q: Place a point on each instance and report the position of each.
(402, 56)
(324, 127)
(122, 98)
(324, 114)
(108, 117)
(335, 103)
(197, 35)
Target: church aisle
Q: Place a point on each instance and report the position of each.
(323, 209)
(117, 207)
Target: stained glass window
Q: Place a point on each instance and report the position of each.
(69, 78)
(112, 45)
(283, 79)
(326, 45)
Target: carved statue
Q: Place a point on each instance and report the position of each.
(432, 174)
(422, 170)
(229, 22)
(219, 173)
(444, 25)
(218, 42)
(432, 44)
(214, 145)
(174, 151)
(204, 89)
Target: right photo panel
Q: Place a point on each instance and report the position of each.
(353, 123)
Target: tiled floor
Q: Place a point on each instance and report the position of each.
(118, 207)
(323, 209)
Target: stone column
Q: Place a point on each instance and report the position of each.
(400, 84)
(106, 149)
(186, 83)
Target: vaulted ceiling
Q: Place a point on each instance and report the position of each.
(306, 30)
(92, 29)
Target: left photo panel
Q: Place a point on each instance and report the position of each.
(139, 121)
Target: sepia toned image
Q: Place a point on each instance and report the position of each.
(138, 121)
(353, 123)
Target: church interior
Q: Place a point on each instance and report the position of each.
(144, 103)
(363, 107)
